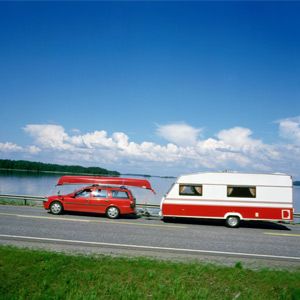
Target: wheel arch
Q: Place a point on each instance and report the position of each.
(56, 200)
(233, 214)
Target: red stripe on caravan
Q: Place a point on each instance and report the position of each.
(214, 211)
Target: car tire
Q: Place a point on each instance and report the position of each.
(56, 208)
(113, 212)
(232, 221)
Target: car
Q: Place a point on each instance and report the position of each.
(110, 200)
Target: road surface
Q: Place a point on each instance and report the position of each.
(255, 244)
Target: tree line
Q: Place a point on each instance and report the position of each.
(25, 165)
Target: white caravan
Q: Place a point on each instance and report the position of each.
(231, 196)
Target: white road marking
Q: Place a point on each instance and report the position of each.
(92, 221)
(150, 247)
(283, 234)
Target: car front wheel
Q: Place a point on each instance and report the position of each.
(56, 208)
(113, 212)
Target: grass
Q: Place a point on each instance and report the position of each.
(19, 202)
(32, 274)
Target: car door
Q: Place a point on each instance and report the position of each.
(99, 200)
(78, 201)
(120, 199)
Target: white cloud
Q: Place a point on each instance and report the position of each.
(121, 140)
(233, 148)
(48, 136)
(290, 129)
(180, 134)
(239, 139)
(96, 139)
(33, 149)
(10, 147)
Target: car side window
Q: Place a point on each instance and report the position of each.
(120, 195)
(99, 193)
(83, 194)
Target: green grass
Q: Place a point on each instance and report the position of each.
(30, 274)
(18, 202)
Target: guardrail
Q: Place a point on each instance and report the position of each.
(24, 198)
(27, 198)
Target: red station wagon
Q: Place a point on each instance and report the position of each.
(97, 198)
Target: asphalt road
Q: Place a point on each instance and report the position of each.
(255, 244)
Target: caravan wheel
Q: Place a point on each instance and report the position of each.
(233, 221)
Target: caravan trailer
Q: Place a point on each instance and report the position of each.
(230, 196)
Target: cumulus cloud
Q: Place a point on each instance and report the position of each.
(290, 129)
(186, 150)
(33, 149)
(10, 147)
(235, 147)
(48, 136)
(239, 139)
(180, 134)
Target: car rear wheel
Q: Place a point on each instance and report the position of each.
(233, 221)
(113, 212)
(56, 208)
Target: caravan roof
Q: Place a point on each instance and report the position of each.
(235, 178)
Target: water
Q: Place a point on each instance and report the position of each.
(25, 183)
(33, 184)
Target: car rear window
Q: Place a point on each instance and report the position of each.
(120, 194)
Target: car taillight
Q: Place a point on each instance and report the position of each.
(132, 204)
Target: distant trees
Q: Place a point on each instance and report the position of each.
(43, 167)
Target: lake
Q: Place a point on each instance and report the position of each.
(37, 184)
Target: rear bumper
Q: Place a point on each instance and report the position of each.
(127, 210)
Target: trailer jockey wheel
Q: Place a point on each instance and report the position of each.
(233, 221)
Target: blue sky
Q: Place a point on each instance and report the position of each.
(153, 87)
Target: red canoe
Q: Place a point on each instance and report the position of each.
(141, 183)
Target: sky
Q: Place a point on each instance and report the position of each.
(162, 88)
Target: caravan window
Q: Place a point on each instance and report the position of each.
(241, 191)
(190, 190)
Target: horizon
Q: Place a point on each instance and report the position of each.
(152, 87)
(131, 174)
